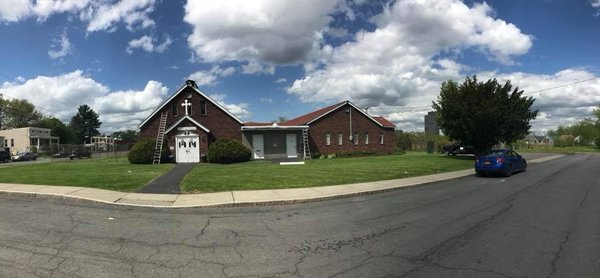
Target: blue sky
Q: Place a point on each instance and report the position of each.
(266, 59)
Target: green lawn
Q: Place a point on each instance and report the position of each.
(106, 173)
(266, 175)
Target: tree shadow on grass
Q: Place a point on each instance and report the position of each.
(462, 157)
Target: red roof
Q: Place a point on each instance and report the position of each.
(383, 121)
(305, 119)
(257, 124)
(302, 120)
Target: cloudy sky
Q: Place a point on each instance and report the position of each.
(265, 59)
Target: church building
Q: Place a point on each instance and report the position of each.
(189, 121)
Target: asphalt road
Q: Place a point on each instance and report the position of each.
(541, 223)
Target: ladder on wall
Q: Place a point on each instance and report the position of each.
(160, 138)
(306, 144)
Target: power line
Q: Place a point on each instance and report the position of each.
(528, 93)
(564, 85)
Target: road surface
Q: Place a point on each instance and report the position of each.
(541, 223)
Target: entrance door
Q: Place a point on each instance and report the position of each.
(188, 149)
(258, 146)
(291, 145)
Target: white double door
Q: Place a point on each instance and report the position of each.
(188, 148)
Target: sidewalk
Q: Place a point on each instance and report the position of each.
(234, 198)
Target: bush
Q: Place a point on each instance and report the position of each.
(228, 151)
(143, 152)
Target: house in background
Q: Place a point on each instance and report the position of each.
(27, 138)
(102, 143)
(189, 121)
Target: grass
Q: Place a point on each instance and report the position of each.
(256, 175)
(114, 173)
(574, 149)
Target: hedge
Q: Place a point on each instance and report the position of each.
(143, 152)
(228, 151)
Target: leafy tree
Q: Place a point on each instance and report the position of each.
(58, 128)
(18, 113)
(127, 135)
(483, 114)
(85, 123)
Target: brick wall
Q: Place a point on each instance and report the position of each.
(220, 124)
(338, 122)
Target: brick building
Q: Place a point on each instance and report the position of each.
(431, 126)
(194, 120)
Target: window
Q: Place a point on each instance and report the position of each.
(12, 142)
(202, 107)
(366, 138)
(5, 142)
(340, 138)
(355, 138)
(174, 109)
(381, 139)
(327, 138)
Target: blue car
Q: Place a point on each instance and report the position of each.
(503, 161)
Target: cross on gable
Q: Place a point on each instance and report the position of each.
(186, 104)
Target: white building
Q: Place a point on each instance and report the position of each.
(28, 138)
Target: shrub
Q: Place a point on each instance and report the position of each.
(228, 151)
(143, 152)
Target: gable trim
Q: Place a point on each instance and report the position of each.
(342, 105)
(197, 91)
(191, 120)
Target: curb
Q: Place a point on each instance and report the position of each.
(234, 198)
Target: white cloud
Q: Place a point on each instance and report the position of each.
(402, 62)
(62, 47)
(281, 80)
(133, 12)
(240, 110)
(61, 95)
(266, 99)
(261, 31)
(99, 15)
(210, 77)
(147, 43)
(596, 5)
(14, 10)
(258, 68)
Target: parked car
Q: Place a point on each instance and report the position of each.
(4, 156)
(79, 153)
(459, 149)
(24, 156)
(61, 154)
(501, 161)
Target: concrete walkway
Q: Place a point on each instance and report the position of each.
(233, 198)
(169, 182)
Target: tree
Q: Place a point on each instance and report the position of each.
(482, 114)
(85, 123)
(18, 113)
(59, 129)
(127, 135)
